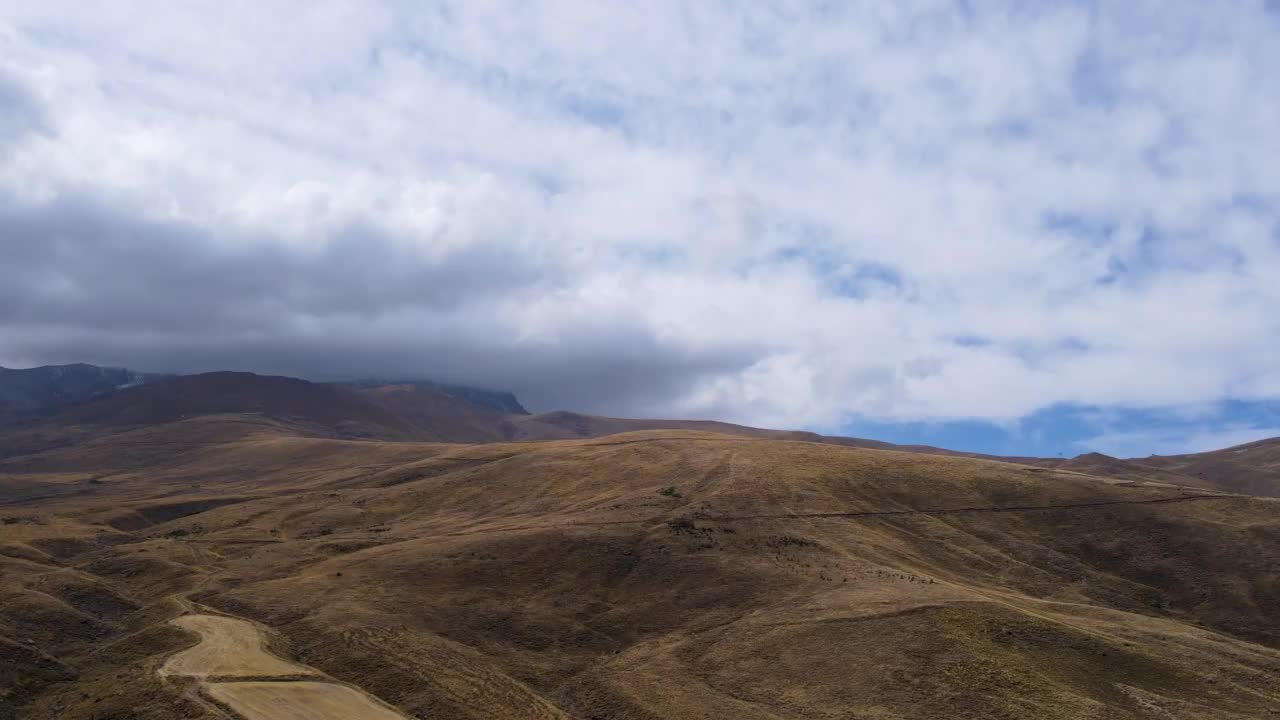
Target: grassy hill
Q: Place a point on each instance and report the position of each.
(651, 574)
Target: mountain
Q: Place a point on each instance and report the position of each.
(86, 396)
(37, 392)
(647, 574)
(445, 415)
(500, 401)
(369, 409)
(390, 412)
(90, 396)
(316, 407)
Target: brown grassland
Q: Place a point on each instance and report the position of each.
(646, 575)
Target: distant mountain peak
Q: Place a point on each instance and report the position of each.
(34, 393)
(1095, 456)
(31, 393)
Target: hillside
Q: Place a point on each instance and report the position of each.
(446, 418)
(313, 405)
(653, 574)
(1252, 469)
(69, 395)
(32, 393)
(391, 412)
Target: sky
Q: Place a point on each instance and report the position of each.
(1025, 228)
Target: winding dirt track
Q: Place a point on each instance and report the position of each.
(228, 648)
(238, 672)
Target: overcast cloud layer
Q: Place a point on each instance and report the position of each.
(826, 215)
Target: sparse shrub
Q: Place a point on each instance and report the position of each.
(178, 533)
(669, 491)
(681, 525)
(95, 481)
(325, 531)
(778, 542)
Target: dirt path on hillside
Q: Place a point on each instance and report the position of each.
(228, 648)
(237, 672)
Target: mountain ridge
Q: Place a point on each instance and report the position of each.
(31, 394)
(424, 410)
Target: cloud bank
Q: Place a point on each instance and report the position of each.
(788, 214)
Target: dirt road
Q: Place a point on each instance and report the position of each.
(231, 649)
(228, 648)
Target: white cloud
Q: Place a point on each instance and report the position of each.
(665, 208)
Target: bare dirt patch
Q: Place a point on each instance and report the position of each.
(298, 701)
(228, 648)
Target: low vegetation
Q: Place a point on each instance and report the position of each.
(545, 580)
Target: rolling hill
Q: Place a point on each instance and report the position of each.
(638, 569)
(1253, 468)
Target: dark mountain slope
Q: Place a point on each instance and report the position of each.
(320, 407)
(439, 416)
(390, 412)
(498, 401)
(435, 410)
(41, 391)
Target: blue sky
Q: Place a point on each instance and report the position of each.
(1025, 228)
(1067, 431)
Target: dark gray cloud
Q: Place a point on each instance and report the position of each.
(652, 210)
(82, 281)
(78, 261)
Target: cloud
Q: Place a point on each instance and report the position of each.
(800, 214)
(20, 113)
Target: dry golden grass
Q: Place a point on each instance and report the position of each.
(228, 648)
(299, 701)
(780, 579)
